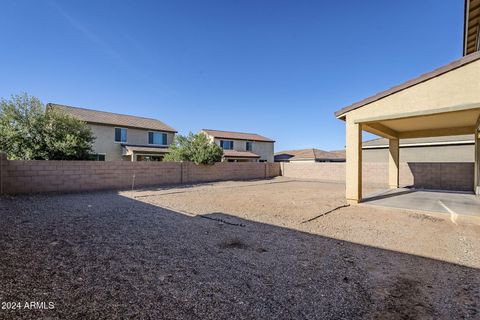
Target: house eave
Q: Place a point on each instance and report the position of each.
(341, 114)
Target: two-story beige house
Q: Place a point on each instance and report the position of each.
(242, 147)
(123, 137)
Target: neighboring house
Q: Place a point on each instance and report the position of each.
(242, 147)
(123, 137)
(434, 149)
(310, 155)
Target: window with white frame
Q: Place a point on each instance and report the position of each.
(249, 145)
(120, 135)
(157, 138)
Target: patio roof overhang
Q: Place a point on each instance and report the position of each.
(133, 149)
(233, 154)
(455, 120)
(447, 80)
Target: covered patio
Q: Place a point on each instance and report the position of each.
(443, 102)
(455, 204)
(240, 156)
(143, 153)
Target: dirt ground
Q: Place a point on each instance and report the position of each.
(288, 203)
(242, 250)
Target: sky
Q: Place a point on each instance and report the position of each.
(276, 68)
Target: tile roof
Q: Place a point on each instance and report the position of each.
(236, 135)
(313, 154)
(239, 154)
(460, 139)
(340, 154)
(427, 76)
(114, 119)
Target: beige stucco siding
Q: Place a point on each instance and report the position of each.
(264, 149)
(105, 140)
(459, 86)
(452, 153)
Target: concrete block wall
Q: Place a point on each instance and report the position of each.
(21, 177)
(229, 171)
(17, 177)
(72, 176)
(426, 175)
(446, 175)
(329, 171)
(3, 166)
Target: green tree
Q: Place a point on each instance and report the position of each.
(27, 132)
(194, 147)
(67, 138)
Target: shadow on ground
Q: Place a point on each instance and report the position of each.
(101, 255)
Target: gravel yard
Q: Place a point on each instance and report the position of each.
(257, 250)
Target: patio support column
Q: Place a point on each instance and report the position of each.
(393, 163)
(354, 162)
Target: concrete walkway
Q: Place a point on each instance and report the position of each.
(452, 203)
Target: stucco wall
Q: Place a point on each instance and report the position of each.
(264, 149)
(427, 175)
(452, 153)
(20, 177)
(457, 87)
(105, 142)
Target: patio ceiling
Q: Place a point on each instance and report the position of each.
(456, 120)
(472, 26)
(130, 149)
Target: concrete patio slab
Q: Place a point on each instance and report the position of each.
(449, 202)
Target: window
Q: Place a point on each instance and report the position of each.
(226, 144)
(120, 135)
(97, 157)
(157, 138)
(249, 145)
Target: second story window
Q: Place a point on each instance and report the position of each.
(120, 135)
(226, 144)
(249, 145)
(157, 138)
